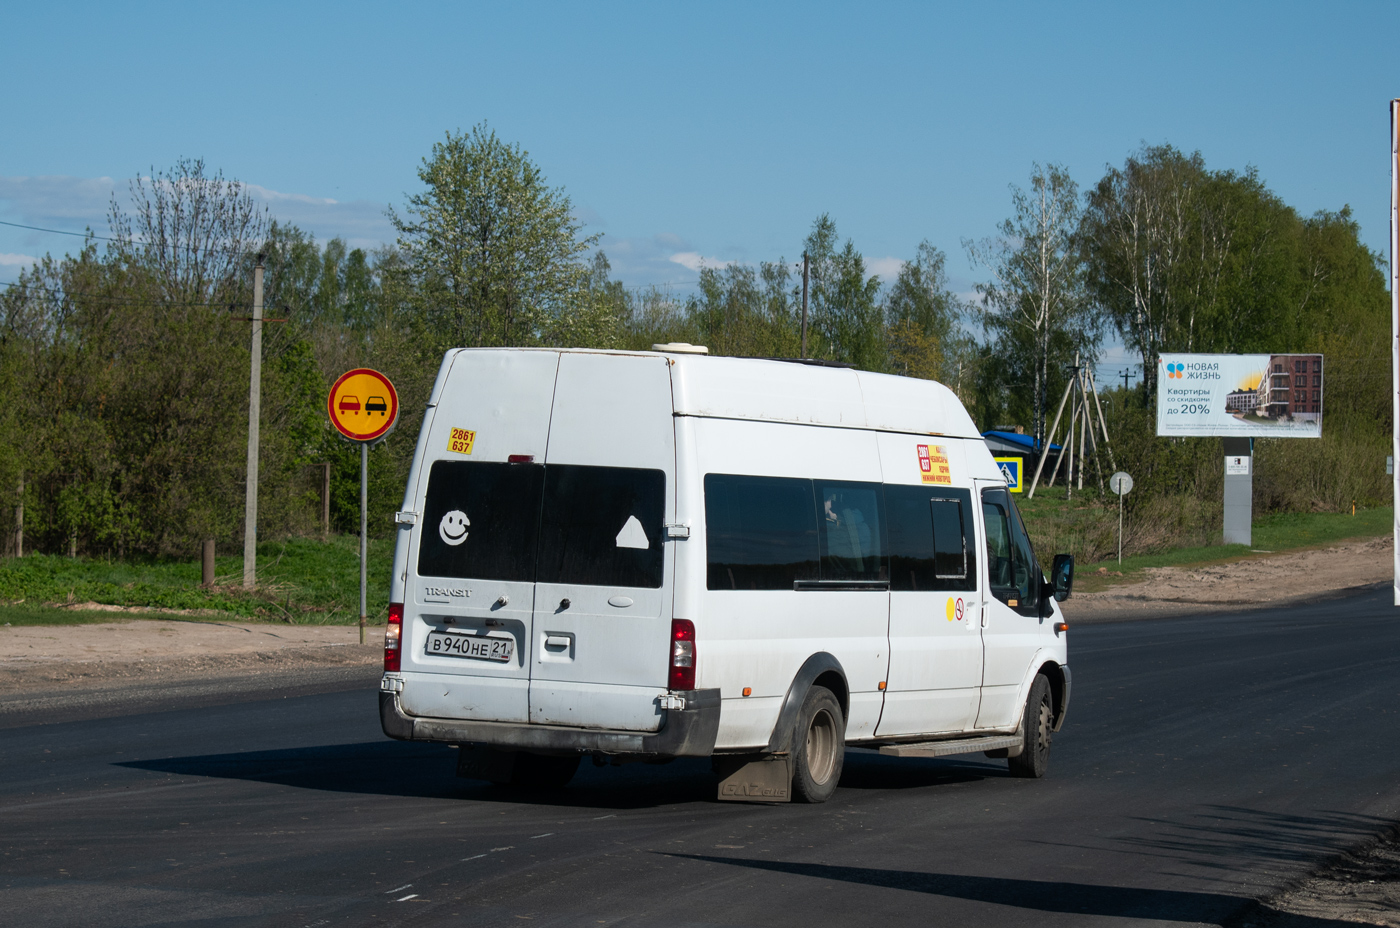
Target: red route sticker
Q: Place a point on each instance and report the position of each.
(933, 465)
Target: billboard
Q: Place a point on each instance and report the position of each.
(1240, 395)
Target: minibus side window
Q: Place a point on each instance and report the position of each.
(1011, 565)
(851, 535)
(929, 538)
(480, 521)
(602, 526)
(761, 532)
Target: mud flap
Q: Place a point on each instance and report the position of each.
(755, 779)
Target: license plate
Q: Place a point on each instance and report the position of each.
(475, 647)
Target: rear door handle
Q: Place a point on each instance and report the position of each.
(556, 641)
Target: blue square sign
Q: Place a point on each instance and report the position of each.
(1010, 472)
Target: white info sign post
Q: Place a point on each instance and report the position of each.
(1239, 397)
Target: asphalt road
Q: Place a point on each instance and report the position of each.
(1206, 761)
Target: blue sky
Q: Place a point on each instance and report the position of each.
(690, 132)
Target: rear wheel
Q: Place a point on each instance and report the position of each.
(1040, 716)
(818, 747)
(543, 771)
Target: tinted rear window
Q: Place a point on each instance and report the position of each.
(481, 520)
(602, 526)
(761, 532)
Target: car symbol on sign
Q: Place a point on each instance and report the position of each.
(349, 404)
(376, 404)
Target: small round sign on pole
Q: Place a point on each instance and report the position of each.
(1121, 484)
(363, 406)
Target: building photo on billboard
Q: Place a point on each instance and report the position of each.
(1240, 396)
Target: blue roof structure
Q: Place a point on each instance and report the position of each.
(1014, 443)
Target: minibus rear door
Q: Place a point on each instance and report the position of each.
(600, 655)
(470, 590)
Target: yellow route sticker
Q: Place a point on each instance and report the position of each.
(461, 441)
(933, 465)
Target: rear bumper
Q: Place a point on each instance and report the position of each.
(688, 732)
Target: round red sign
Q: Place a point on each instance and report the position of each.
(363, 405)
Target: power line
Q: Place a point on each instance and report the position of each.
(17, 225)
(133, 301)
(108, 238)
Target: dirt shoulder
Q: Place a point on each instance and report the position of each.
(1260, 580)
(53, 673)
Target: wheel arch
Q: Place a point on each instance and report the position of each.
(821, 669)
(1059, 678)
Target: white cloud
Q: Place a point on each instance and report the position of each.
(693, 261)
(16, 260)
(65, 202)
(887, 269)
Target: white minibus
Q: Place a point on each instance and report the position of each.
(637, 556)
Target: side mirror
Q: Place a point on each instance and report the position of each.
(1062, 576)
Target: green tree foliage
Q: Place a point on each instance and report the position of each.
(922, 317)
(1035, 306)
(743, 312)
(846, 323)
(123, 370)
(493, 255)
(1182, 258)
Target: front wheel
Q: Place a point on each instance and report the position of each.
(1036, 723)
(819, 747)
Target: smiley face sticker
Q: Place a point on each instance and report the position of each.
(453, 527)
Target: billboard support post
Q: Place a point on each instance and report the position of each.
(1239, 491)
(1395, 329)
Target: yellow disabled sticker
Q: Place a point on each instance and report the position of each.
(461, 441)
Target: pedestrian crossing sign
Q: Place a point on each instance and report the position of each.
(1011, 472)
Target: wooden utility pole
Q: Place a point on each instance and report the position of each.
(1086, 416)
(325, 500)
(19, 520)
(250, 511)
(806, 265)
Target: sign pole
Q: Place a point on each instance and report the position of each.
(364, 536)
(1121, 484)
(363, 407)
(1120, 530)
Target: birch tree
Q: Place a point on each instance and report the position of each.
(1035, 304)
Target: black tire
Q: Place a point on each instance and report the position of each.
(1034, 758)
(818, 747)
(543, 771)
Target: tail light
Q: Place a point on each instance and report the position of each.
(393, 635)
(682, 655)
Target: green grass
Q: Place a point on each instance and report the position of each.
(1270, 534)
(300, 580)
